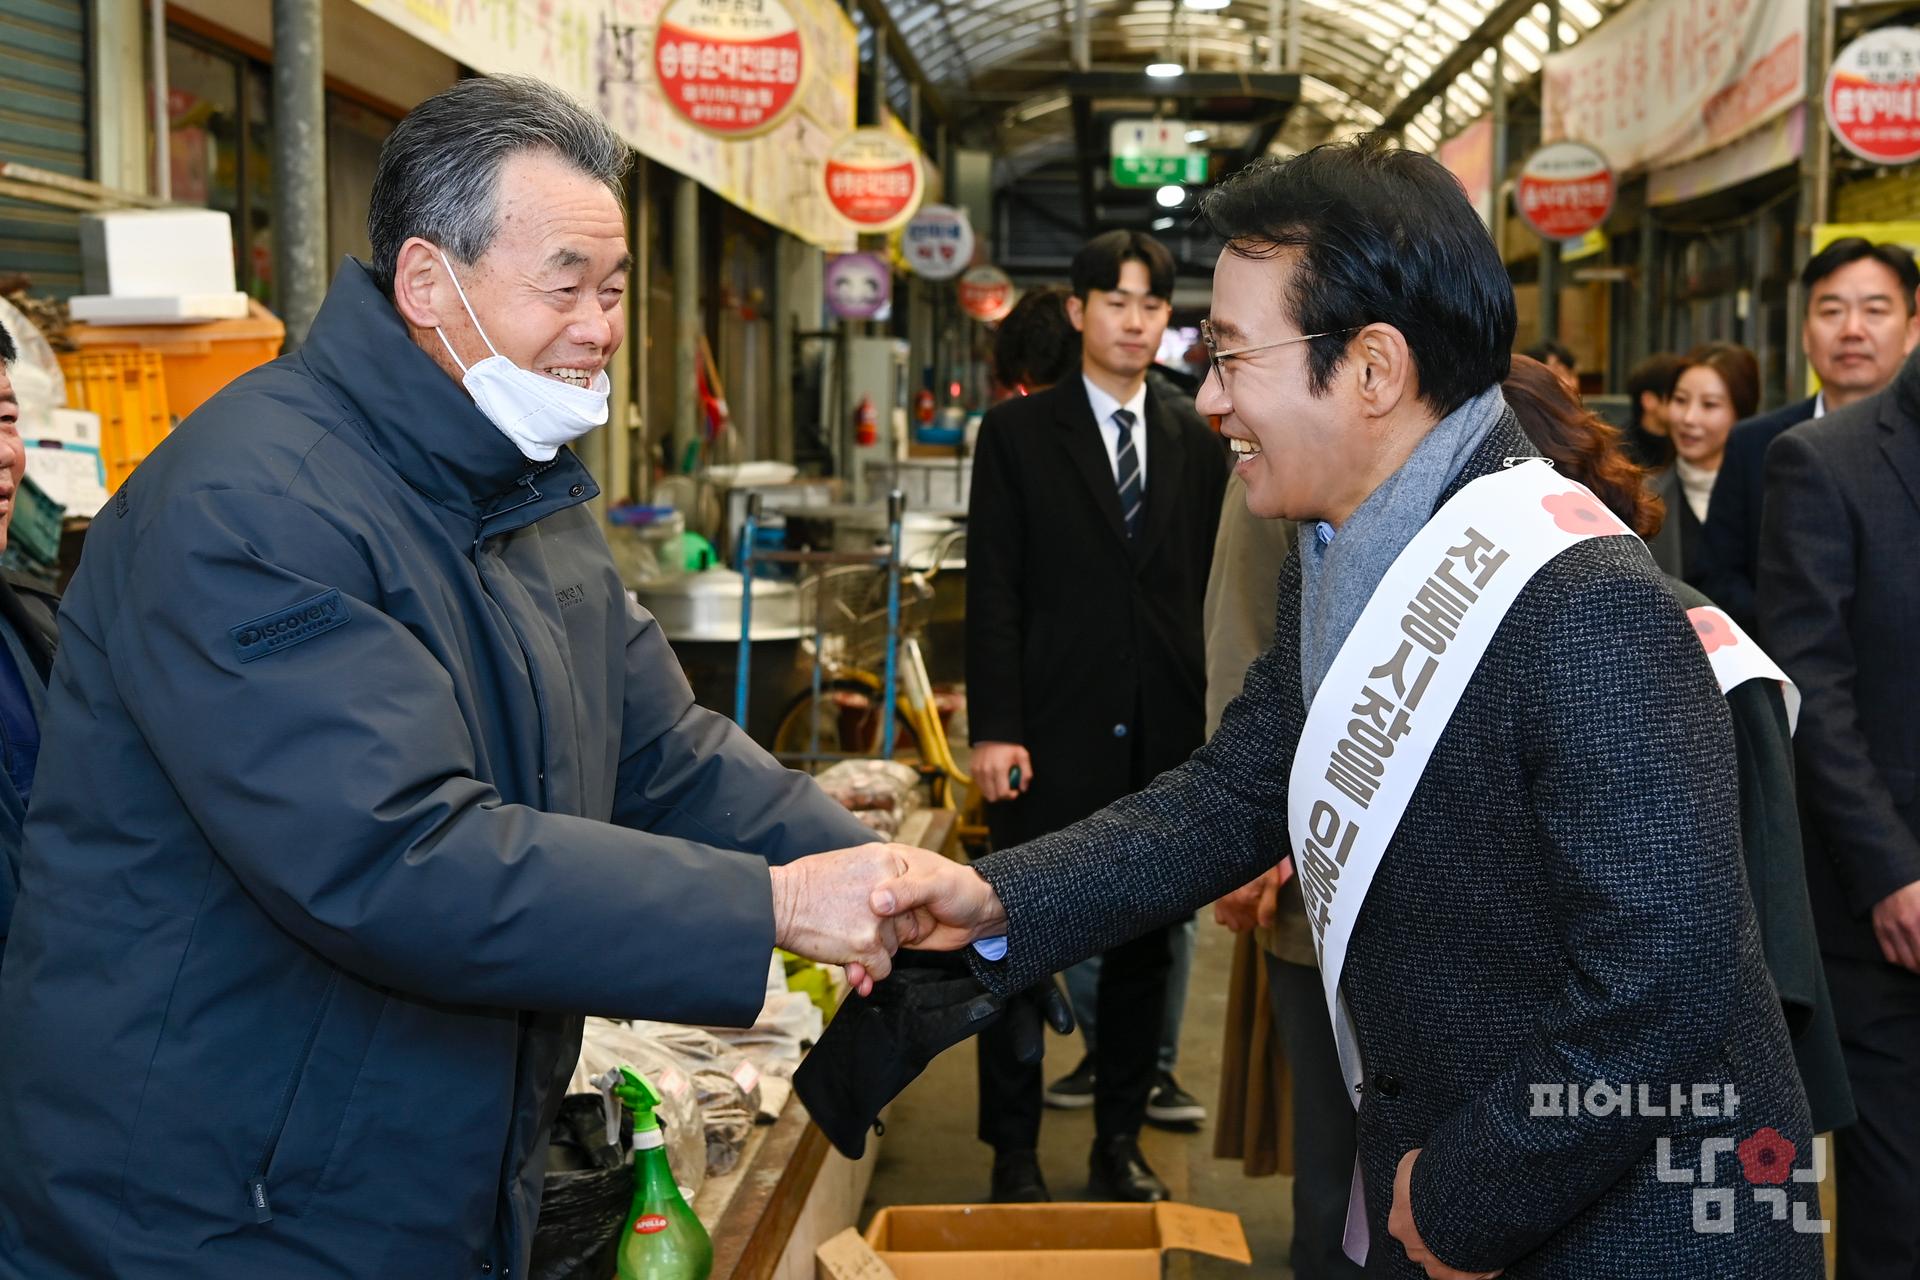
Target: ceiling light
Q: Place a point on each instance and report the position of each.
(1170, 196)
(1208, 4)
(1165, 70)
(1163, 224)
(1196, 135)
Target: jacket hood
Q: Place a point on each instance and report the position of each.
(421, 421)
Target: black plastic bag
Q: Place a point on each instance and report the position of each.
(588, 1190)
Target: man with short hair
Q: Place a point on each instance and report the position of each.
(363, 780)
(1089, 538)
(1860, 324)
(1840, 597)
(27, 638)
(1649, 388)
(1497, 753)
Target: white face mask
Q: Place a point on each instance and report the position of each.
(537, 413)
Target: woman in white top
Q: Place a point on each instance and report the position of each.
(1718, 386)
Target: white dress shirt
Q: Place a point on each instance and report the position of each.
(1103, 408)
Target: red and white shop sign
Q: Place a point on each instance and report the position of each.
(731, 67)
(986, 294)
(873, 179)
(1566, 190)
(1873, 96)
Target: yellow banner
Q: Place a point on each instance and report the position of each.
(601, 51)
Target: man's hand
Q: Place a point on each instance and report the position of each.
(938, 904)
(822, 910)
(992, 765)
(1400, 1227)
(1896, 922)
(1255, 903)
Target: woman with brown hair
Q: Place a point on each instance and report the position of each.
(1585, 448)
(1719, 385)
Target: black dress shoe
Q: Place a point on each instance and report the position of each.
(1017, 1180)
(1119, 1172)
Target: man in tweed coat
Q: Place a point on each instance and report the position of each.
(1562, 904)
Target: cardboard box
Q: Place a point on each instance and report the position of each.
(1048, 1241)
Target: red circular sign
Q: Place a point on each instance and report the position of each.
(986, 293)
(1873, 96)
(873, 179)
(729, 67)
(1566, 190)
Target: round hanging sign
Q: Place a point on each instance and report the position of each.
(1566, 190)
(986, 294)
(938, 243)
(730, 67)
(1873, 96)
(859, 285)
(873, 179)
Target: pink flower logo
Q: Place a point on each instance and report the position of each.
(1767, 1157)
(1578, 511)
(1713, 627)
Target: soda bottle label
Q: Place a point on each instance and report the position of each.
(648, 1224)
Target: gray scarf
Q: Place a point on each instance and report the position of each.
(1338, 574)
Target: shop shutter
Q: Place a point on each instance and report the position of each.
(43, 122)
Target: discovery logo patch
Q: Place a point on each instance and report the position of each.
(286, 627)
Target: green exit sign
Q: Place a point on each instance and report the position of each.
(1159, 171)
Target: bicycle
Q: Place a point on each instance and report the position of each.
(843, 612)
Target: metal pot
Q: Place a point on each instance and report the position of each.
(706, 606)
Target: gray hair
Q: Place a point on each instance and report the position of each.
(439, 173)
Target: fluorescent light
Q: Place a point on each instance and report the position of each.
(1165, 70)
(1163, 224)
(1196, 135)
(1170, 196)
(1208, 4)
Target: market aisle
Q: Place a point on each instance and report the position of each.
(930, 1155)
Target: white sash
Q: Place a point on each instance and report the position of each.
(1737, 659)
(1391, 692)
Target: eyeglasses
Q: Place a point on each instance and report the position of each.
(1217, 359)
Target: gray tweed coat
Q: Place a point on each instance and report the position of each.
(1564, 902)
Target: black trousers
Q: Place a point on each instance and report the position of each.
(1877, 1160)
(1323, 1124)
(1130, 1008)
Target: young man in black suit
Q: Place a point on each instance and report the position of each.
(1841, 601)
(1089, 538)
(1859, 325)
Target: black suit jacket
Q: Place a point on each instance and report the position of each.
(1083, 645)
(1726, 558)
(1563, 901)
(1840, 600)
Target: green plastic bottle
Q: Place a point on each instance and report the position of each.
(662, 1240)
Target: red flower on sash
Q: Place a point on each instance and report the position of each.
(1713, 628)
(1578, 511)
(1767, 1157)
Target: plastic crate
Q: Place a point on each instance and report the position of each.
(200, 358)
(128, 389)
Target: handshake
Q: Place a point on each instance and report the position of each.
(856, 907)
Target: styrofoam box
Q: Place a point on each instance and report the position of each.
(154, 253)
(196, 308)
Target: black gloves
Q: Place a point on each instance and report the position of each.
(875, 1047)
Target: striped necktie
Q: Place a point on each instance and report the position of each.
(1127, 463)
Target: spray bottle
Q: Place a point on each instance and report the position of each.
(662, 1240)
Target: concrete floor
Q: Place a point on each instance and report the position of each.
(930, 1154)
